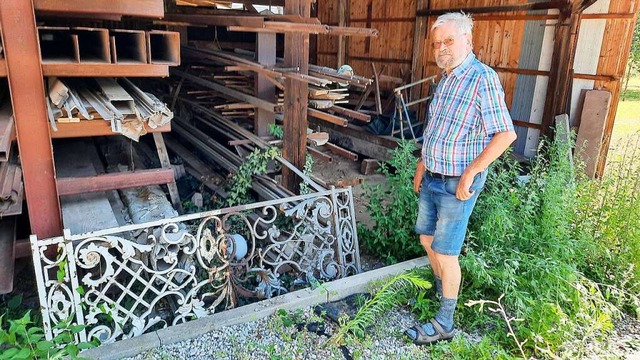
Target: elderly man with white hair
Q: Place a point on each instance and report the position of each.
(469, 127)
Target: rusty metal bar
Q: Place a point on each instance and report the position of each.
(24, 72)
(351, 113)
(341, 151)
(352, 31)
(113, 181)
(93, 8)
(327, 117)
(110, 70)
(7, 253)
(217, 20)
(7, 132)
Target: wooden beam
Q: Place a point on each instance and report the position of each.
(342, 44)
(341, 151)
(559, 86)
(554, 4)
(24, 72)
(419, 54)
(86, 128)
(114, 181)
(296, 97)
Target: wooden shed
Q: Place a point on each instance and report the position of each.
(547, 53)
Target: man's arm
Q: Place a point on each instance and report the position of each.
(498, 144)
(417, 177)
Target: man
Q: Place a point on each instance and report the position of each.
(469, 127)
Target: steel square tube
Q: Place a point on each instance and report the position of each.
(57, 44)
(128, 47)
(163, 47)
(93, 45)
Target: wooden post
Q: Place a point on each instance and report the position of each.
(342, 45)
(265, 90)
(296, 96)
(417, 67)
(560, 76)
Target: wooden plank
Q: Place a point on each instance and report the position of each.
(114, 181)
(592, 127)
(418, 58)
(217, 20)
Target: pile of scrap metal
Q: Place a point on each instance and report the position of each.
(119, 101)
(11, 187)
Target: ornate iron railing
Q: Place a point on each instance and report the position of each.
(123, 282)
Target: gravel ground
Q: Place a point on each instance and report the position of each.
(276, 338)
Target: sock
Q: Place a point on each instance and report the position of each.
(438, 286)
(444, 317)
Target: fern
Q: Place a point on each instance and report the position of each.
(391, 294)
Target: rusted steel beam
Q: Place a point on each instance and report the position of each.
(95, 128)
(342, 152)
(554, 4)
(114, 181)
(328, 117)
(227, 91)
(24, 72)
(352, 31)
(7, 253)
(217, 20)
(351, 113)
(110, 70)
(98, 8)
(7, 132)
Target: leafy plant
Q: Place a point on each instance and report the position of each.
(393, 208)
(393, 293)
(254, 164)
(23, 339)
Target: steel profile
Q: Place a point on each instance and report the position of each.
(128, 47)
(163, 47)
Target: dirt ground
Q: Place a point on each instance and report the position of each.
(341, 168)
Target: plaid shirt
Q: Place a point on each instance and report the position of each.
(467, 109)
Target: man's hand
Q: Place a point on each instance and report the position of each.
(463, 192)
(418, 176)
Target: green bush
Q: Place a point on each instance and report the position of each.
(527, 241)
(393, 208)
(22, 337)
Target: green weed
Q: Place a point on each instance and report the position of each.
(393, 208)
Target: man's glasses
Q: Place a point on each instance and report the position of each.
(447, 42)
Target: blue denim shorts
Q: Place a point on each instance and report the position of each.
(442, 215)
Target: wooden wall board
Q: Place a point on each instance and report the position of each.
(592, 128)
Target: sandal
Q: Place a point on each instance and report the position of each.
(422, 338)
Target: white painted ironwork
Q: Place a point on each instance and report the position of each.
(125, 281)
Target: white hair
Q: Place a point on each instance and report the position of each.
(462, 21)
